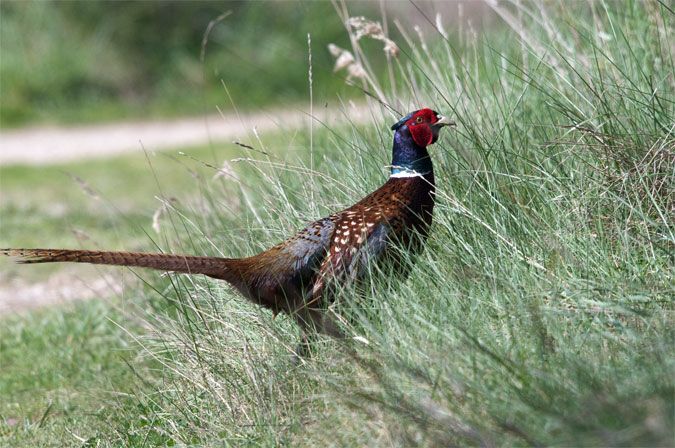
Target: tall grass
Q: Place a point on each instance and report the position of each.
(541, 311)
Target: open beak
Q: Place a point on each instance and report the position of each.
(444, 121)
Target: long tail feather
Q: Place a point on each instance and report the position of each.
(212, 266)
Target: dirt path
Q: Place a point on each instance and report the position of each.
(60, 288)
(52, 144)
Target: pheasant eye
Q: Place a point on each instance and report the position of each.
(419, 120)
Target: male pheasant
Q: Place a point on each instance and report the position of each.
(301, 275)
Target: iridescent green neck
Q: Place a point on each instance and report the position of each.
(417, 167)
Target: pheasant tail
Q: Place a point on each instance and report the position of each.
(211, 266)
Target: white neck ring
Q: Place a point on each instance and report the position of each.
(408, 173)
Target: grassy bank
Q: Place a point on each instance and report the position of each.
(541, 311)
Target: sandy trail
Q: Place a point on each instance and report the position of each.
(53, 144)
(58, 289)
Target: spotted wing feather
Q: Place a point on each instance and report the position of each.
(363, 233)
(360, 237)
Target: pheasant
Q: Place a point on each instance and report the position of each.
(303, 274)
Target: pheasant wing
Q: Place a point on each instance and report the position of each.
(360, 238)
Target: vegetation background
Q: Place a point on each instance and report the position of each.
(81, 61)
(541, 313)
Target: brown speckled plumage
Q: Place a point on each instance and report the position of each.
(301, 274)
(399, 212)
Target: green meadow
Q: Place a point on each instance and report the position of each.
(540, 313)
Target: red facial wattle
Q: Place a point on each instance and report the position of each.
(422, 134)
(420, 127)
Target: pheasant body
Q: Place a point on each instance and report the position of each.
(302, 274)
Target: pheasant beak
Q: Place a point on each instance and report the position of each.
(444, 121)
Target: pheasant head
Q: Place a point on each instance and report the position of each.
(414, 133)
